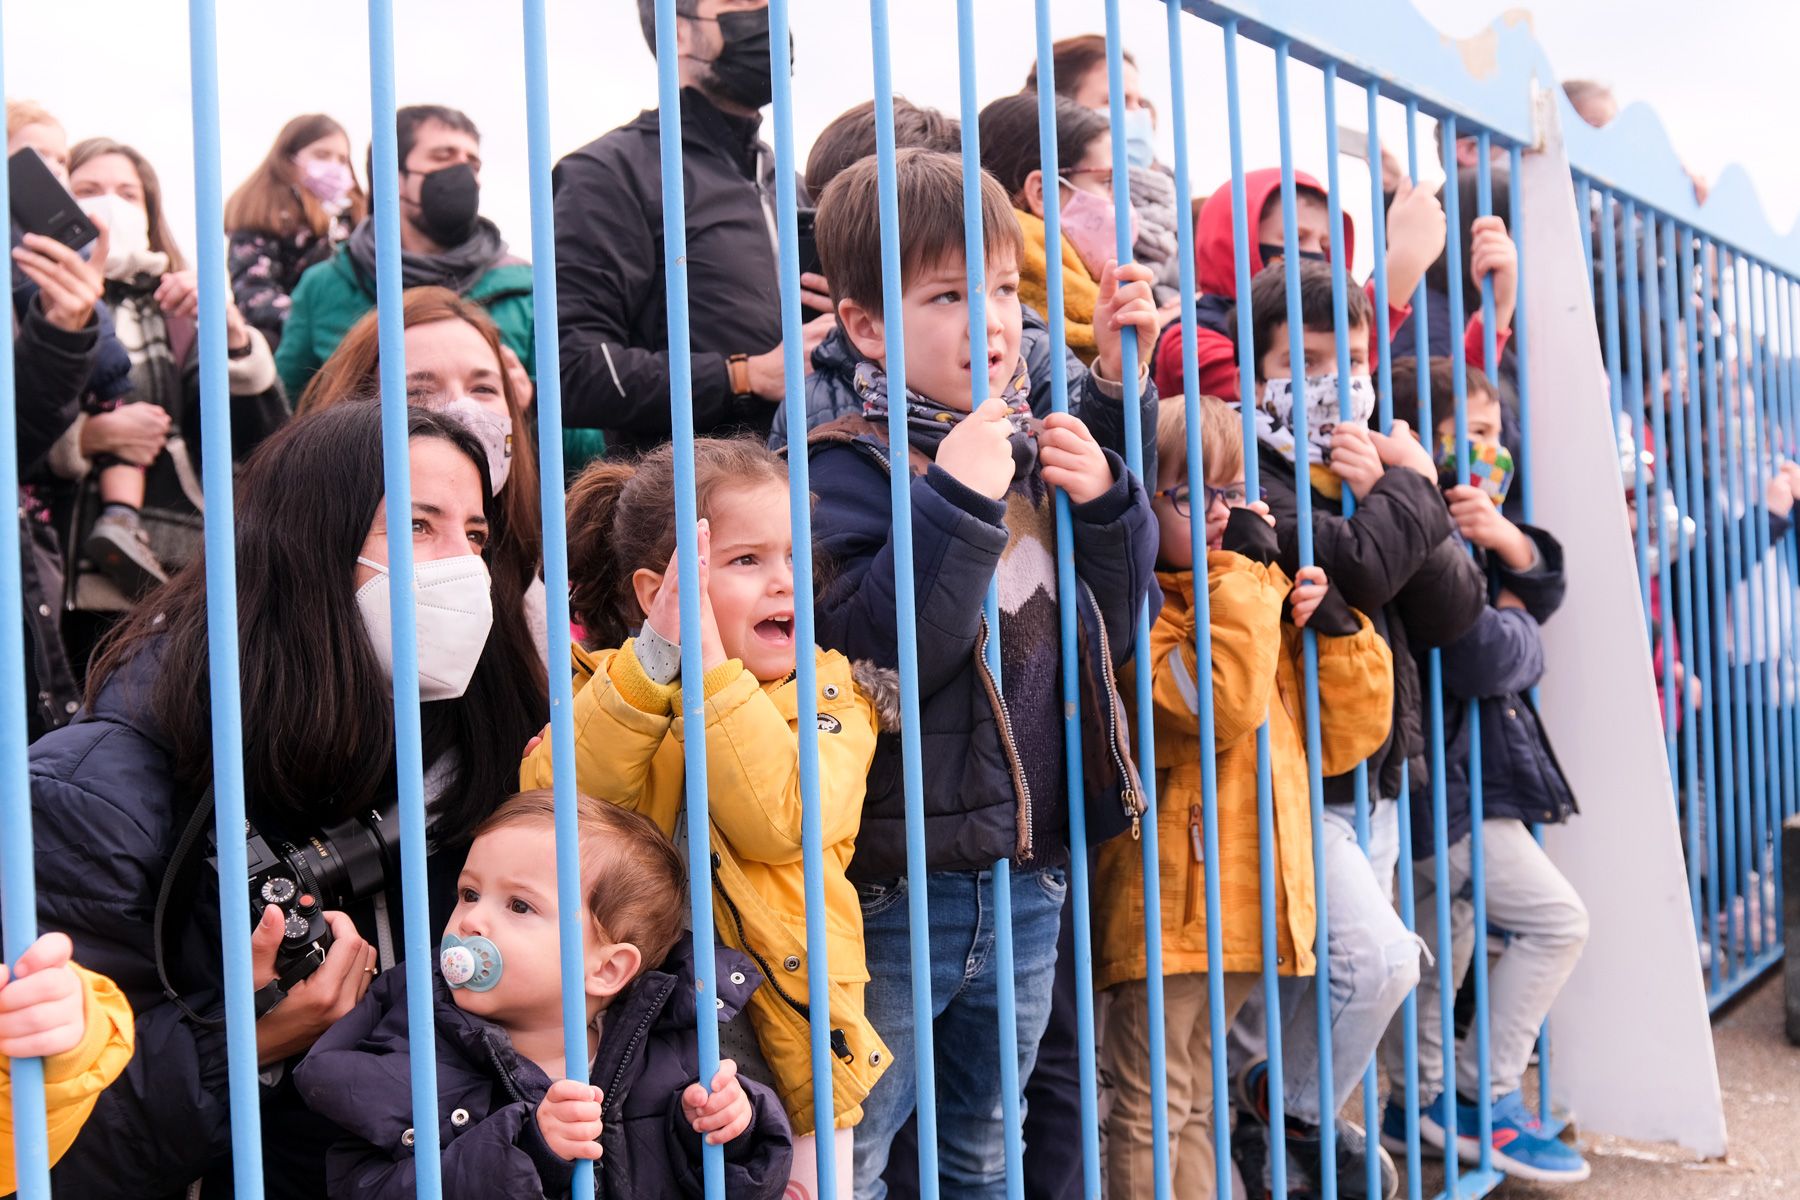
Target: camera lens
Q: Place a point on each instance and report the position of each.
(350, 860)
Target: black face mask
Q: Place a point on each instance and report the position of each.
(741, 73)
(1271, 251)
(449, 202)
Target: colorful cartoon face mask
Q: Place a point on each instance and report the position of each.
(1275, 413)
(1490, 467)
(469, 963)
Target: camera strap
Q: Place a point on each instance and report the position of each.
(180, 876)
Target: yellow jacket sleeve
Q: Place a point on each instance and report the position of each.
(1245, 602)
(621, 719)
(74, 1079)
(1356, 696)
(753, 764)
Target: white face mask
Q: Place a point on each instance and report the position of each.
(1275, 413)
(128, 236)
(455, 606)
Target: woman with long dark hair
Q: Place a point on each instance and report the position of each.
(293, 210)
(114, 793)
(456, 362)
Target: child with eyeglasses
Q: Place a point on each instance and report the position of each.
(1256, 617)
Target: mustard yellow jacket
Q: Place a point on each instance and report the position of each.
(1257, 669)
(628, 750)
(74, 1079)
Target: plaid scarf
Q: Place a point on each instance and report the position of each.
(928, 422)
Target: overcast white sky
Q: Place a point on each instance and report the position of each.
(120, 68)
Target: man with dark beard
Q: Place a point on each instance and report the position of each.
(609, 247)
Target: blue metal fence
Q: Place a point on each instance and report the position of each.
(1676, 297)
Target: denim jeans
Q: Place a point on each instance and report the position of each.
(1374, 961)
(1548, 926)
(966, 1016)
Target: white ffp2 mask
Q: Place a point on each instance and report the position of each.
(455, 608)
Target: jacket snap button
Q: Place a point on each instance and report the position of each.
(874, 1058)
(719, 1002)
(791, 962)
(831, 689)
(407, 1138)
(71, 707)
(460, 1117)
(1280, 961)
(737, 977)
(1512, 714)
(43, 610)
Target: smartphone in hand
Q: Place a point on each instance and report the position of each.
(42, 205)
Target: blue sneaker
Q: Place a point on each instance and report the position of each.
(1432, 1118)
(1520, 1147)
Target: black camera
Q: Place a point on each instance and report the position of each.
(331, 869)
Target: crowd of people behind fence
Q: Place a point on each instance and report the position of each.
(123, 994)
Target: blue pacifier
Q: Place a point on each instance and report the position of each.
(472, 963)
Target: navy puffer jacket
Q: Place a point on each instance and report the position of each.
(1497, 663)
(488, 1096)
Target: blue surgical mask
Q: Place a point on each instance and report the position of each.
(1140, 137)
(469, 963)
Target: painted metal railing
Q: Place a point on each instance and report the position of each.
(1678, 294)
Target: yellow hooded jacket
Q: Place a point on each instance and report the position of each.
(628, 751)
(1257, 669)
(74, 1079)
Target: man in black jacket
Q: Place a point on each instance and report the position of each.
(611, 306)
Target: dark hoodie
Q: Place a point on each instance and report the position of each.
(358, 1075)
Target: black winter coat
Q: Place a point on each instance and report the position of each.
(106, 817)
(1497, 663)
(611, 304)
(488, 1096)
(973, 780)
(1397, 560)
(51, 370)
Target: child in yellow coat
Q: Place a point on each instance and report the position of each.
(624, 590)
(78, 1022)
(1256, 620)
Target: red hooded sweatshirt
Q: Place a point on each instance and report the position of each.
(1216, 278)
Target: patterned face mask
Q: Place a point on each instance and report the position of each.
(1275, 413)
(1490, 467)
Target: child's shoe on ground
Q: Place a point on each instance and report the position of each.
(1250, 1148)
(118, 545)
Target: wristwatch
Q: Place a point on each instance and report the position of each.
(737, 366)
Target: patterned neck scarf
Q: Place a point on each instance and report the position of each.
(928, 422)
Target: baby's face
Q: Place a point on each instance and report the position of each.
(506, 895)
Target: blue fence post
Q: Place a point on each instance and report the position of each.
(244, 1088)
(1609, 298)
(1068, 616)
(906, 618)
(1242, 229)
(570, 907)
(1757, 649)
(396, 461)
(1633, 405)
(693, 700)
(812, 833)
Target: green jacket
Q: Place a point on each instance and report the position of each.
(333, 295)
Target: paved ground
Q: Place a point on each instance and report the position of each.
(1760, 1076)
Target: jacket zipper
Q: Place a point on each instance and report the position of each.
(839, 1044)
(1128, 796)
(637, 1035)
(1007, 743)
(512, 1088)
(1194, 832)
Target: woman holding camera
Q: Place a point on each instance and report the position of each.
(114, 793)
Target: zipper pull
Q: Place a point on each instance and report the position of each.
(1194, 832)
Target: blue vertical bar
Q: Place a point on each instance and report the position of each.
(1242, 227)
(570, 909)
(693, 700)
(1435, 688)
(1730, 616)
(1340, 325)
(905, 606)
(1634, 374)
(1657, 429)
(1408, 867)
(1739, 452)
(1702, 780)
(1490, 361)
(397, 463)
(1609, 298)
(812, 832)
(1786, 677)
(1209, 785)
(1296, 331)
(1068, 607)
(1779, 588)
(1719, 696)
(1758, 582)
(1584, 214)
(975, 256)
